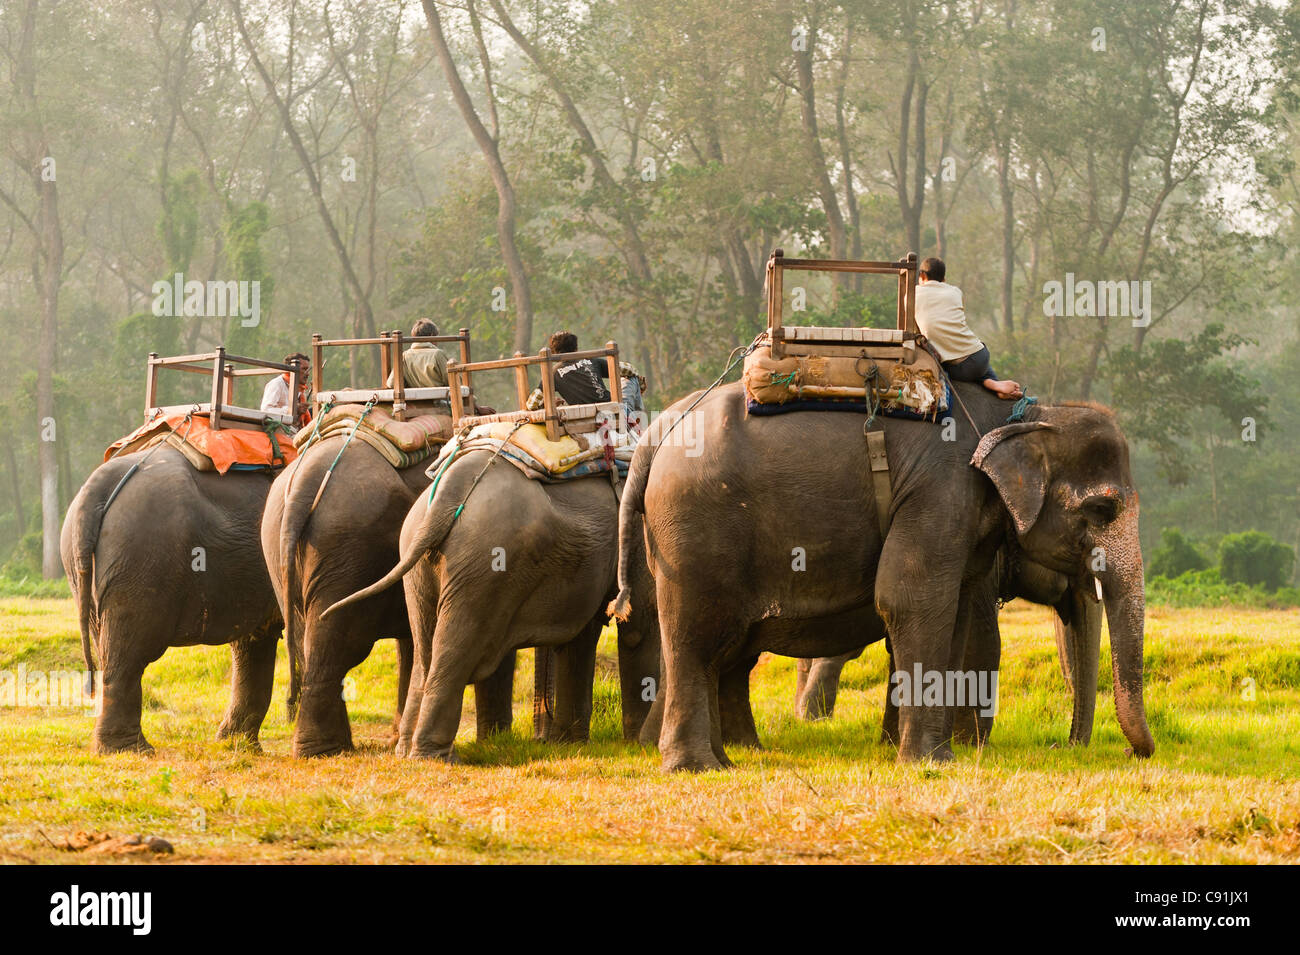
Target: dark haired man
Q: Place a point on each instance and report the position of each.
(579, 382)
(941, 317)
(424, 364)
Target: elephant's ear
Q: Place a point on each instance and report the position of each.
(1017, 467)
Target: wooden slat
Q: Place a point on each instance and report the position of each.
(548, 396)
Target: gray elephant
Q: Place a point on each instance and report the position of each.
(320, 551)
(495, 562)
(174, 561)
(1077, 625)
(721, 525)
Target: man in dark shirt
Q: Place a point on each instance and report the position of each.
(578, 382)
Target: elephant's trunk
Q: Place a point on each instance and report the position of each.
(1123, 590)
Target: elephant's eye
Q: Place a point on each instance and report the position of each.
(1101, 509)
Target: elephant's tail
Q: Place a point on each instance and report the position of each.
(299, 496)
(630, 510)
(84, 520)
(442, 508)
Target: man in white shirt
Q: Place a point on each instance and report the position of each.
(276, 397)
(941, 317)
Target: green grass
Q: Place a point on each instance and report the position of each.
(1224, 785)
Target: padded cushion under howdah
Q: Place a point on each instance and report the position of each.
(417, 435)
(223, 448)
(918, 387)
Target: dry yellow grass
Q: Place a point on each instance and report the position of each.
(1224, 785)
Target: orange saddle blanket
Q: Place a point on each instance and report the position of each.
(196, 439)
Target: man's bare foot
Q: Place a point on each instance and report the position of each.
(1003, 389)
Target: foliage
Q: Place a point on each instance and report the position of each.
(1207, 588)
(1255, 558)
(1176, 555)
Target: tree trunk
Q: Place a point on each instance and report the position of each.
(500, 178)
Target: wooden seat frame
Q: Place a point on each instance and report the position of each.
(551, 414)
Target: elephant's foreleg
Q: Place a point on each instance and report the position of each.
(733, 703)
(494, 698)
(921, 622)
(252, 678)
(639, 674)
(973, 723)
(889, 724)
(715, 727)
(575, 672)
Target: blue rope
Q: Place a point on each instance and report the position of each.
(1020, 408)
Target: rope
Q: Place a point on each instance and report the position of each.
(351, 434)
(744, 353)
(495, 454)
(270, 426)
(1020, 409)
(189, 423)
(315, 427)
(952, 389)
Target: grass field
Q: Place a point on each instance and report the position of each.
(1224, 785)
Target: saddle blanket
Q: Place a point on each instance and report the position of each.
(208, 450)
(528, 449)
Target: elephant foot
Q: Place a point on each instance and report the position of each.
(941, 753)
(682, 761)
(569, 734)
(239, 726)
(240, 740)
(311, 748)
(104, 745)
(442, 754)
(749, 740)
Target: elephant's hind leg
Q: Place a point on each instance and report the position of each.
(123, 659)
(252, 678)
(690, 703)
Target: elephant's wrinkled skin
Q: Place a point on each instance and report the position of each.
(523, 564)
(173, 562)
(319, 556)
(723, 519)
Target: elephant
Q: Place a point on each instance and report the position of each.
(168, 556)
(318, 552)
(1078, 637)
(720, 526)
(492, 562)
(1078, 633)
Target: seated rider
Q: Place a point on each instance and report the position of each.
(579, 382)
(941, 317)
(276, 398)
(424, 364)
